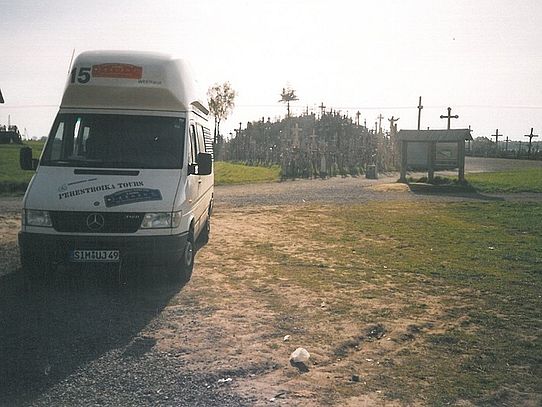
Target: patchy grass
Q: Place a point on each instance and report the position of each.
(453, 288)
(523, 180)
(13, 180)
(231, 173)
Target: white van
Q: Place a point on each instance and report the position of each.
(126, 173)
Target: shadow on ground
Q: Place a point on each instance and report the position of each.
(49, 332)
(462, 191)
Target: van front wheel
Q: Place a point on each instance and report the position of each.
(181, 271)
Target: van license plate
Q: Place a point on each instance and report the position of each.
(95, 255)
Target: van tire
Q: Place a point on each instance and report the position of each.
(181, 271)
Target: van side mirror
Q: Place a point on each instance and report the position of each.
(25, 159)
(205, 164)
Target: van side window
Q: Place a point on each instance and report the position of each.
(193, 153)
(201, 142)
(208, 138)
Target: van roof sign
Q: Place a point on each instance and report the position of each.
(131, 80)
(126, 71)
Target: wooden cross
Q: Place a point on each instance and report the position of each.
(380, 117)
(322, 108)
(496, 135)
(420, 107)
(530, 139)
(449, 116)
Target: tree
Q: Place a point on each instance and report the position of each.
(221, 103)
(287, 95)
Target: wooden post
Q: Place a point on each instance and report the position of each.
(420, 107)
(461, 159)
(404, 161)
(431, 161)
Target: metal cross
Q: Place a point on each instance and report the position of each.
(449, 116)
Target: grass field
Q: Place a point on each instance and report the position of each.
(428, 303)
(231, 173)
(521, 180)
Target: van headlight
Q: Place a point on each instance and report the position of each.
(33, 217)
(161, 220)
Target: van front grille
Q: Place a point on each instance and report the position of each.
(96, 222)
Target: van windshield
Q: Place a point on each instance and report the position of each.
(115, 141)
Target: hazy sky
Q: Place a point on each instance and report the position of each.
(482, 58)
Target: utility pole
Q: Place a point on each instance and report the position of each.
(449, 116)
(530, 140)
(496, 135)
(420, 107)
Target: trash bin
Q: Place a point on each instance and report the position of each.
(371, 172)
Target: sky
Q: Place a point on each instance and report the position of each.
(481, 58)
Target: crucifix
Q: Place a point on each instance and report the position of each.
(449, 116)
(380, 117)
(496, 135)
(322, 108)
(420, 107)
(530, 139)
(393, 126)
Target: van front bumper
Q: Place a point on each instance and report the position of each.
(143, 250)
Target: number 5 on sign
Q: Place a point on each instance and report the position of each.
(81, 75)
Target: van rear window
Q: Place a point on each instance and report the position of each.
(115, 141)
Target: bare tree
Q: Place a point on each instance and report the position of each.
(221, 103)
(287, 95)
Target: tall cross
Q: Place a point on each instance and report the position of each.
(530, 139)
(420, 107)
(380, 117)
(358, 114)
(496, 135)
(322, 108)
(449, 116)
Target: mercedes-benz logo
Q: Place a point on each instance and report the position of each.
(95, 221)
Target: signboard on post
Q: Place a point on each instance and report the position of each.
(432, 150)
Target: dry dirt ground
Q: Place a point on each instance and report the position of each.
(219, 340)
